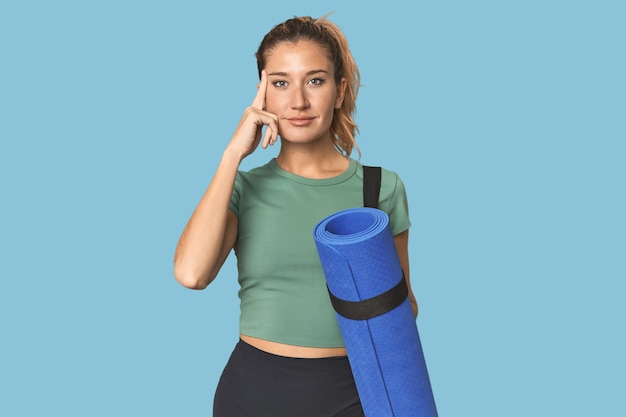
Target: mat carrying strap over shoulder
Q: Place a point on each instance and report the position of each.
(371, 186)
(387, 301)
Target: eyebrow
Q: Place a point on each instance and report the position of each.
(284, 74)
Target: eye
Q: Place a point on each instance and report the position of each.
(279, 83)
(317, 81)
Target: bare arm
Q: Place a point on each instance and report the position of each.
(402, 246)
(211, 231)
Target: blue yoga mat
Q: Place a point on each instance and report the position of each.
(360, 262)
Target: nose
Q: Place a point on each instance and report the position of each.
(298, 99)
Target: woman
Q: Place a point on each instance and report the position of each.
(290, 360)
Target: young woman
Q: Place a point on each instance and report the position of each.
(290, 359)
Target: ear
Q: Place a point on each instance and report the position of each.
(341, 92)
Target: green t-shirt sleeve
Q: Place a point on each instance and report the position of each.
(235, 197)
(393, 200)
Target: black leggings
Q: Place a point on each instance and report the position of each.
(259, 384)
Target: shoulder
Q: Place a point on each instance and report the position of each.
(389, 176)
(253, 175)
(259, 171)
(390, 180)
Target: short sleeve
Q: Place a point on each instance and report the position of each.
(394, 202)
(236, 195)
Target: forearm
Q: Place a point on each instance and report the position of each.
(205, 242)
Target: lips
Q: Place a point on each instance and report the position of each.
(300, 120)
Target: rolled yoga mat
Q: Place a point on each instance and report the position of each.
(368, 291)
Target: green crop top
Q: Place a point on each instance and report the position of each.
(282, 285)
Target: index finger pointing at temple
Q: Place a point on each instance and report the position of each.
(259, 100)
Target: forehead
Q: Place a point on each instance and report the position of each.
(294, 55)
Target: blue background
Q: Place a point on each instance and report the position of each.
(506, 121)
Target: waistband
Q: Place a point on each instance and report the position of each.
(271, 360)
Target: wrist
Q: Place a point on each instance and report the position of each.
(231, 155)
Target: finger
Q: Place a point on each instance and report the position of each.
(259, 100)
(267, 138)
(271, 134)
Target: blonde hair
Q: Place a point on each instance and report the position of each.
(326, 34)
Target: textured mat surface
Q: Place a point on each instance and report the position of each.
(360, 261)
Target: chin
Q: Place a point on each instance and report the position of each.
(300, 139)
(302, 136)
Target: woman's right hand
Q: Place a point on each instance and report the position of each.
(248, 133)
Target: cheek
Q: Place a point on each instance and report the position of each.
(272, 102)
(331, 104)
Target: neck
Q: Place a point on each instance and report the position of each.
(312, 162)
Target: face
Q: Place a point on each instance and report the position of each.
(302, 91)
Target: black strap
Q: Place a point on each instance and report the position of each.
(371, 186)
(372, 307)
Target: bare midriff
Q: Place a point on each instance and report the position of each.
(293, 351)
